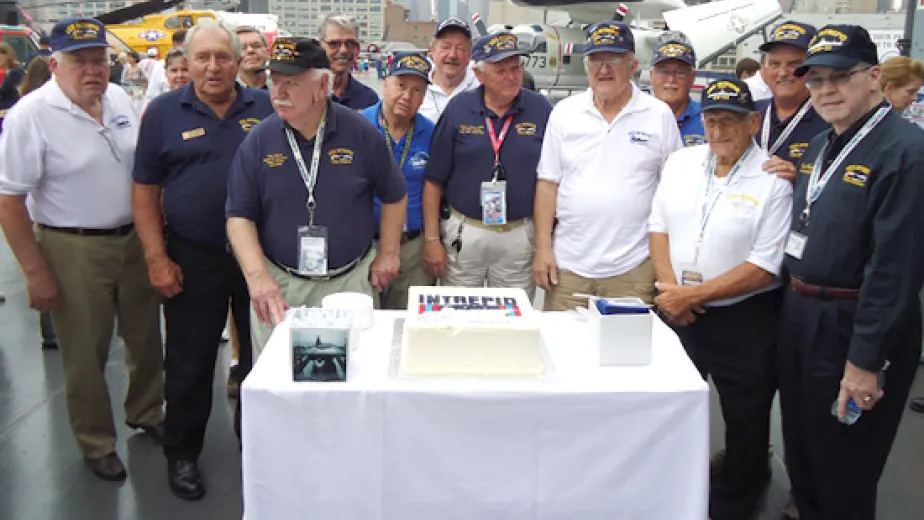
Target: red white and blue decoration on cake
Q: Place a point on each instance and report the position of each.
(438, 302)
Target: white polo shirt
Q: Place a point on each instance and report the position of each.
(750, 221)
(607, 174)
(76, 172)
(435, 100)
(759, 88)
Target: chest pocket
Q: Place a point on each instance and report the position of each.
(734, 221)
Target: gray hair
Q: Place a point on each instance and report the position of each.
(479, 65)
(212, 24)
(318, 74)
(344, 22)
(249, 29)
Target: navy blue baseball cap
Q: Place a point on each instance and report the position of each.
(674, 50)
(410, 64)
(609, 37)
(841, 47)
(797, 34)
(728, 94)
(296, 55)
(453, 23)
(496, 47)
(72, 34)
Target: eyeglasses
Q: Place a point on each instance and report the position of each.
(349, 44)
(596, 61)
(723, 121)
(838, 79)
(677, 73)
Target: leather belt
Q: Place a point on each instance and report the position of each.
(331, 273)
(406, 237)
(92, 232)
(821, 292)
(502, 228)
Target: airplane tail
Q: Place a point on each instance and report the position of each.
(715, 27)
(478, 27)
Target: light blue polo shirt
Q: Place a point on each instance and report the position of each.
(414, 166)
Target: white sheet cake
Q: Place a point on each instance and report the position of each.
(471, 332)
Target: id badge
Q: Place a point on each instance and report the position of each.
(494, 203)
(312, 250)
(795, 244)
(690, 275)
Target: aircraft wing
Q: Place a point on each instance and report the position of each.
(592, 11)
(714, 27)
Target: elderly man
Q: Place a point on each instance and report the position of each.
(789, 120)
(851, 318)
(187, 141)
(450, 51)
(672, 75)
(483, 158)
(254, 55)
(717, 227)
(340, 37)
(300, 196)
(599, 186)
(68, 146)
(408, 134)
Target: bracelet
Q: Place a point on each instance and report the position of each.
(432, 239)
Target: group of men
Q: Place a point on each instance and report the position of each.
(266, 201)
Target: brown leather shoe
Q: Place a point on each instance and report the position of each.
(234, 388)
(156, 431)
(108, 467)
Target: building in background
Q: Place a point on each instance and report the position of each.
(398, 28)
(303, 17)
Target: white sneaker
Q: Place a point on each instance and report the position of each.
(225, 335)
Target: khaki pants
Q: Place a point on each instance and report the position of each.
(500, 258)
(299, 292)
(638, 283)
(103, 280)
(412, 273)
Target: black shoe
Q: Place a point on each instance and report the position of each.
(185, 480)
(718, 459)
(155, 431)
(917, 404)
(50, 344)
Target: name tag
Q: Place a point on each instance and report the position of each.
(192, 134)
(795, 244)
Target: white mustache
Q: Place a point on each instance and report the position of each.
(282, 103)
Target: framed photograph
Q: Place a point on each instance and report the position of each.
(320, 354)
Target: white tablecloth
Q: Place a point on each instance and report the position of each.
(584, 443)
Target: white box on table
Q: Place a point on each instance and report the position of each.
(319, 344)
(621, 339)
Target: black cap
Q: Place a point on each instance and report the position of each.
(453, 23)
(728, 94)
(797, 34)
(841, 47)
(296, 55)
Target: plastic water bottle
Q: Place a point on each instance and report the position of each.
(853, 412)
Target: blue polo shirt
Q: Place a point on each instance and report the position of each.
(794, 147)
(356, 95)
(414, 165)
(461, 157)
(184, 146)
(691, 125)
(266, 187)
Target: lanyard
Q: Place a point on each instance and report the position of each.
(407, 139)
(497, 141)
(711, 197)
(793, 123)
(309, 176)
(818, 180)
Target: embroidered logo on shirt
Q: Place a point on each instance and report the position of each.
(192, 134)
(637, 136)
(797, 150)
(526, 129)
(121, 121)
(418, 161)
(694, 139)
(275, 160)
(471, 129)
(806, 168)
(248, 123)
(856, 174)
(341, 156)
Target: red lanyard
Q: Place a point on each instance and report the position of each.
(497, 142)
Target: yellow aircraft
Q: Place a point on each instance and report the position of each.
(155, 31)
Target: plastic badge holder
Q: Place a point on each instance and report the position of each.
(620, 329)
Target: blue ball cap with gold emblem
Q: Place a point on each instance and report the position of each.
(728, 94)
(797, 34)
(496, 47)
(72, 34)
(674, 50)
(609, 36)
(841, 47)
(410, 64)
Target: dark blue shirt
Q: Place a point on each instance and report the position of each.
(188, 149)
(461, 156)
(793, 148)
(691, 125)
(865, 232)
(266, 187)
(414, 165)
(356, 95)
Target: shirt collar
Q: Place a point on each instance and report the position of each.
(332, 118)
(482, 109)
(775, 120)
(838, 142)
(419, 120)
(691, 111)
(636, 103)
(57, 98)
(244, 97)
(468, 83)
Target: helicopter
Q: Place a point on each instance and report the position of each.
(555, 57)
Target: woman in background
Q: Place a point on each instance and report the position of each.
(176, 69)
(37, 74)
(901, 79)
(134, 81)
